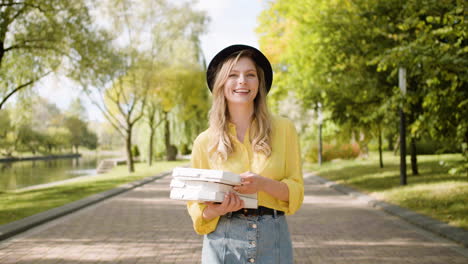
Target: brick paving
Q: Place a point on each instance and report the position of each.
(145, 226)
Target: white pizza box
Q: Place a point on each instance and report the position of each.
(251, 196)
(206, 175)
(208, 186)
(201, 195)
(196, 195)
(249, 202)
(205, 185)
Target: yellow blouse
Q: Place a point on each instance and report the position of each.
(284, 164)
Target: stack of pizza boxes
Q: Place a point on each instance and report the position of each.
(206, 186)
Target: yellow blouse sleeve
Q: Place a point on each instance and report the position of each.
(199, 160)
(293, 171)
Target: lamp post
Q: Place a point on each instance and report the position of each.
(402, 85)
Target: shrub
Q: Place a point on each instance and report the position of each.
(430, 146)
(184, 149)
(135, 151)
(334, 151)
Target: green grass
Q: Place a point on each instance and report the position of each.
(15, 205)
(433, 192)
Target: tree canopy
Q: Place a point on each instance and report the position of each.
(345, 55)
(40, 37)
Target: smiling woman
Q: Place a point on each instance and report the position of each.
(241, 86)
(245, 139)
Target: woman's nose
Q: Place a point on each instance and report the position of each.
(242, 78)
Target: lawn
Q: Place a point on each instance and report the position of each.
(15, 205)
(433, 192)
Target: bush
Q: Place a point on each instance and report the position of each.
(135, 151)
(429, 146)
(331, 152)
(159, 155)
(184, 149)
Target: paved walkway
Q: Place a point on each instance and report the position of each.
(145, 226)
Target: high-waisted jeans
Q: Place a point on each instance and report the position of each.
(248, 239)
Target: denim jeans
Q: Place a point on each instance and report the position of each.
(248, 239)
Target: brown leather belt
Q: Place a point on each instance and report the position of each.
(261, 210)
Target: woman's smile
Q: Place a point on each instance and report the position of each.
(242, 91)
(241, 86)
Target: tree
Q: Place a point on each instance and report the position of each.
(345, 55)
(174, 59)
(34, 124)
(44, 114)
(330, 70)
(56, 139)
(431, 43)
(39, 37)
(77, 109)
(28, 139)
(170, 86)
(109, 138)
(37, 125)
(146, 27)
(6, 137)
(125, 102)
(80, 134)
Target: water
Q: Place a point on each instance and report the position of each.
(21, 174)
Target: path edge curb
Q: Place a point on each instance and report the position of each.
(14, 228)
(455, 234)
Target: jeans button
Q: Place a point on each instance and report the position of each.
(251, 260)
(254, 225)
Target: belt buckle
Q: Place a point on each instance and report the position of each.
(250, 212)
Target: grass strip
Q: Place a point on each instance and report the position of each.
(15, 205)
(434, 192)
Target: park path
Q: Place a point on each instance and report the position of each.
(144, 226)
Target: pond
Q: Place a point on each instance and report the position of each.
(21, 174)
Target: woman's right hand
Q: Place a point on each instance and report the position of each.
(231, 203)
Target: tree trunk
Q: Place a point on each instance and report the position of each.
(403, 176)
(397, 146)
(414, 160)
(128, 148)
(413, 153)
(390, 142)
(320, 151)
(465, 151)
(364, 144)
(2, 49)
(150, 146)
(171, 150)
(380, 148)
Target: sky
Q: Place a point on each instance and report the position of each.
(231, 22)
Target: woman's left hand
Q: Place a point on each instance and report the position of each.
(250, 183)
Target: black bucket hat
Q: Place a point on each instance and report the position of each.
(258, 57)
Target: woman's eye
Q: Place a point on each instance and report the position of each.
(232, 75)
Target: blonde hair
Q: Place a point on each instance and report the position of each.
(260, 131)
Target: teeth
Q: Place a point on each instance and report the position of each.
(241, 91)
